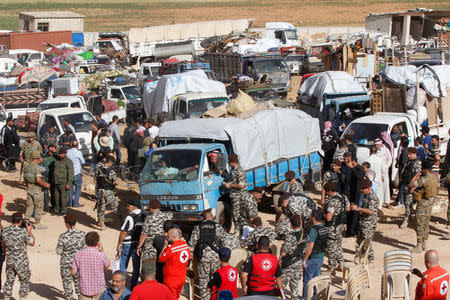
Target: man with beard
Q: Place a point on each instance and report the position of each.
(118, 291)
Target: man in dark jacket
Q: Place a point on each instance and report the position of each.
(136, 143)
(128, 134)
(10, 140)
(356, 173)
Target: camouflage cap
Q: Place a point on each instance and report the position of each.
(31, 135)
(35, 154)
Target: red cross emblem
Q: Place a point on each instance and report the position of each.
(266, 264)
(444, 288)
(231, 275)
(184, 256)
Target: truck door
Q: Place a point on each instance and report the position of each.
(280, 35)
(116, 94)
(213, 171)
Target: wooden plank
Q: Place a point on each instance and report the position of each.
(430, 103)
(394, 98)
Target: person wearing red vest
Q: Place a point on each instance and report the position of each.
(226, 277)
(261, 272)
(175, 255)
(435, 280)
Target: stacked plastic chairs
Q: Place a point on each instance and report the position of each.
(357, 286)
(396, 279)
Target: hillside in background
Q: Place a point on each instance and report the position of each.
(110, 15)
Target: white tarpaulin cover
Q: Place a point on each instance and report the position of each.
(160, 99)
(269, 135)
(434, 79)
(188, 31)
(330, 82)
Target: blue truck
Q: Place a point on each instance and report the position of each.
(186, 179)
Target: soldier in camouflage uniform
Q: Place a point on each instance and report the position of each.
(367, 215)
(62, 178)
(249, 206)
(334, 212)
(424, 208)
(69, 243)
(153, 225)
(411, 169)
(35, 195)
(300, 205)
(28, 147)
(293, 186)
(15, 241)
(205, 241)
(292, 252)
(335, 176)
(259, 231)
(282, 226)
(106, 179)
(237, 187)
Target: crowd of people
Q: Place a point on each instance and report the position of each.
(162, 255)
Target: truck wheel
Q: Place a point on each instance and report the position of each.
(224, 215)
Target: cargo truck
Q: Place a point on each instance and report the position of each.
(182, 176)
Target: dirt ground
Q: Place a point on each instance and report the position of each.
(44, 262)
(110, 15)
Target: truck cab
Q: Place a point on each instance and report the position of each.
(128, 96)
(148, 71)
(62, 101)
(197, 186)
(106, 108)
(79, 118)
(366, 129)
(275, 68)
(27, 57)
(284, 32)
(194, 104)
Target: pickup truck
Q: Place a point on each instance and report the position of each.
(225, 66)
(128, 96)
(194, 104)
(19, 102)
(366, 129)
(182, 176)
(79, 118)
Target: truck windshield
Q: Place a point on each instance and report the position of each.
(81, 122)
(291, 34)
(197, 107)
(365, 133)
(271, 66)
(131, 92)
(182, 165)
(45, 106)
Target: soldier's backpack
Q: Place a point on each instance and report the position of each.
(30, 173)
(341, 218)
(207, 238)
(321, 243)
(432, 187)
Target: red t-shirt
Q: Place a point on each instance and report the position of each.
(176, 258)
(151, 289)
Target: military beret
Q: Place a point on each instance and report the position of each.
(154, 204)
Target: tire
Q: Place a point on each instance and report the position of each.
(224, 215)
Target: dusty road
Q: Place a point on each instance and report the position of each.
(44, 262)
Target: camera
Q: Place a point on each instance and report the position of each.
(24, 224)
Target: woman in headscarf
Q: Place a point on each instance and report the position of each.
(385, 154)
(329, 137)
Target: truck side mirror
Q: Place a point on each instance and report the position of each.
(221, 161)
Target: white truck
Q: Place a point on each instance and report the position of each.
(79, 118)
(94, 104)
(284, 33)
(366, 129)
(168, 40)
(128, 96)
(27, 57)
(194, 104)
(147, 72)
